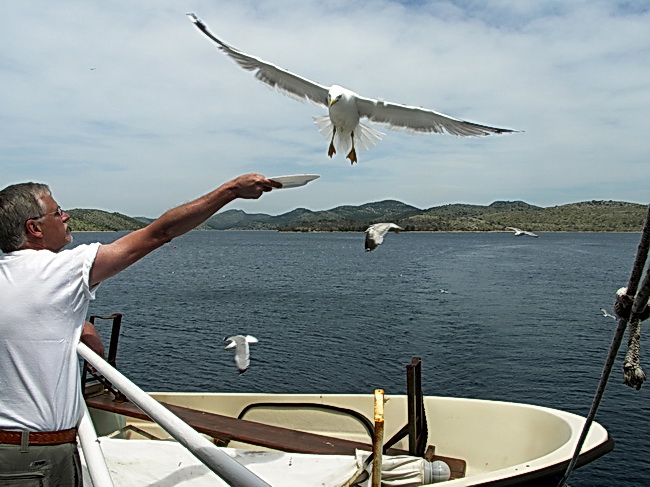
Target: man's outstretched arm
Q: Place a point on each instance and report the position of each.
(117, 256)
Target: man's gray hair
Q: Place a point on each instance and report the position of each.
(19, 203)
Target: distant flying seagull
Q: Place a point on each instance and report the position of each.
(444, 291)
(375, 234)
(242, 352)
(519, 232)
(345, 107)
(607, 314)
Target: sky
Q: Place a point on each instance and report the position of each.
(126, 107)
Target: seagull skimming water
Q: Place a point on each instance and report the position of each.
(345, 107)
(607, 314)
(242, 352)
(519, 232)
(375, 234)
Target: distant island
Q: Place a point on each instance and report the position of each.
(587, 216)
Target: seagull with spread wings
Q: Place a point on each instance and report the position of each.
(375, 234)
(519, 232)
(242, 351)
(341, 126)
(607, 314)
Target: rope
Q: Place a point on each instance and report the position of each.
(633, 374)
(629, 309)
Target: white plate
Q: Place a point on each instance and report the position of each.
(295, 180)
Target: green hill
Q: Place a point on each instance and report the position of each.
(101, 221)
(592, 216)
(588, 216)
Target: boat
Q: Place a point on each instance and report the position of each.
(500, 443)
(332, 439)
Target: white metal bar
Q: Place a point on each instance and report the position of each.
(231, 471)
(93, 454)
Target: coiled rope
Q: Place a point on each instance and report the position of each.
(631, 307)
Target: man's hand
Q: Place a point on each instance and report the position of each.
(91, 338)
(251, 186)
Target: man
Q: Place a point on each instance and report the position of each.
(44, 296)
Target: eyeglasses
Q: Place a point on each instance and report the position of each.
(58, 212)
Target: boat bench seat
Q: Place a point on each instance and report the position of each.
(225, 428)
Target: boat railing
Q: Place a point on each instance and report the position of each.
(93, 454)
(90, 380)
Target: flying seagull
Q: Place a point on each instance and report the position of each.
(375, 234)
(519, 232)
(242, 352)
(607, 314)
(345, 107)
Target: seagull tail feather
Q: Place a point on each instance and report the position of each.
(342, 141)
(366, 137)
(324, 125)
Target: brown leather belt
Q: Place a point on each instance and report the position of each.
(39, 438)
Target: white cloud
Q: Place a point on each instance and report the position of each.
(126, 106)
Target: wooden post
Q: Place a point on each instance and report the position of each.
(417, 423)
(378, 440)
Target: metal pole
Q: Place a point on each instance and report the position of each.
(231, 471)
(93, 454)
(600, 392)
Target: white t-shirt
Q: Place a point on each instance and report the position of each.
(44, 298)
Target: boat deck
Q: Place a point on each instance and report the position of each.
(224, 429)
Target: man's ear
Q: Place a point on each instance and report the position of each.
(33, 229)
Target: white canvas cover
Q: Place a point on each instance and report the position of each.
(139, 463)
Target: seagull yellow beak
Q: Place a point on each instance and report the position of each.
(333, 100)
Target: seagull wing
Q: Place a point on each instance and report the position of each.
(286, 82)
(375, 234)
(232, 344)
(380, 229)
(607, 314)
(422, 120)
(242, 357)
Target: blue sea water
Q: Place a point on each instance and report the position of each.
(521, 321)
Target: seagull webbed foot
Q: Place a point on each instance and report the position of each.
(331, 150)
(353, 153)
